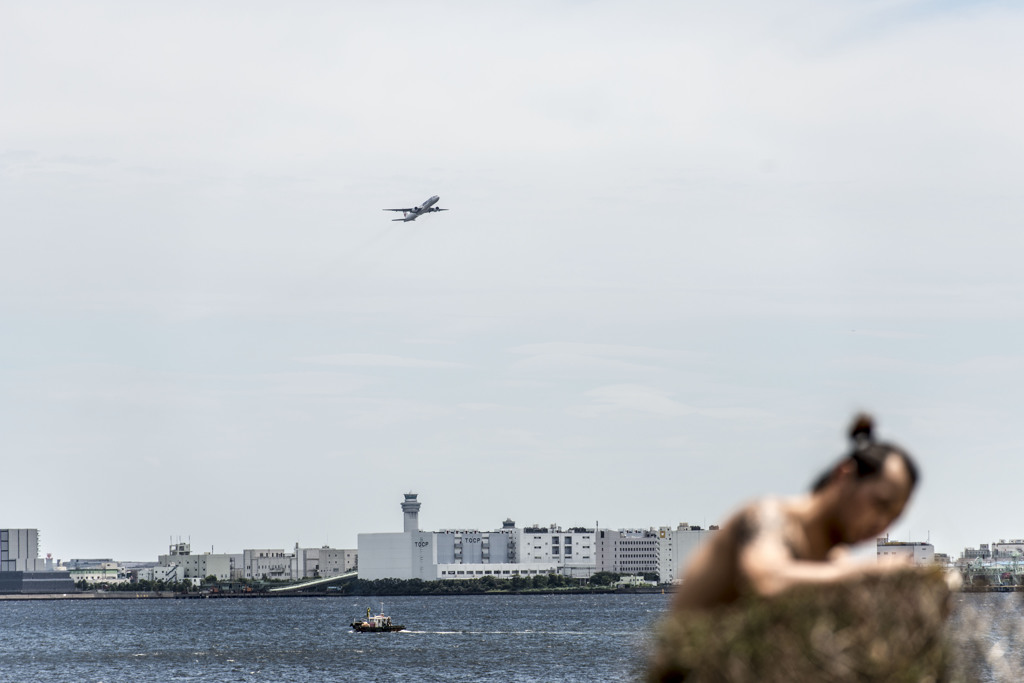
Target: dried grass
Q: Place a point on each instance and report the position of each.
(880, 628)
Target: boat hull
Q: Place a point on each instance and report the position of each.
(359, 627)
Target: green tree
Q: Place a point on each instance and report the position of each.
(604, 578)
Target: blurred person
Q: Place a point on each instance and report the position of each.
(772, 545)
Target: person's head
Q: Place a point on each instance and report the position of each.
(870, 485)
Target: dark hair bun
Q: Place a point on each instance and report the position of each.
(862, 429)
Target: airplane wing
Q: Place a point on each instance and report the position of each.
(398, 209)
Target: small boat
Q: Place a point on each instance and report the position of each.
(375, 623)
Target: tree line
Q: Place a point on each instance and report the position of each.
(356, 586)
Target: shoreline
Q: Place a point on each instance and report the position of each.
(167, 595)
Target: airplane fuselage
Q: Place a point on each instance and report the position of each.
(417, 211)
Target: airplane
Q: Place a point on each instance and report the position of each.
(415, 212)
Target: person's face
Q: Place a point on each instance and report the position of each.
(871, 504)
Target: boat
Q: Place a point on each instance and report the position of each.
(376, 623)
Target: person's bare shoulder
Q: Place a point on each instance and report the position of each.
(713, 577)
(769, 521)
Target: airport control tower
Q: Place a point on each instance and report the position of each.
(411, 510)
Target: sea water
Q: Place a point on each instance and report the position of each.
(447, 638)
(516, 638)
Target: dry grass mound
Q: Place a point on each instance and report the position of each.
(879, 628)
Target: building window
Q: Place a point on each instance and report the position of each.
(554, 540)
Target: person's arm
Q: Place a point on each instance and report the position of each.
(767, 563)
(769, 569)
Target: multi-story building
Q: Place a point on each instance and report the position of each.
(628, 551)
(411, 554)
(170, 573)
(311, 562)
(917, 552)
(19, 551)
(573, 551)
(21, 569)
(460, 553)
(266, 563)
(1004, 550)
(198, 566)
(677, 546)
(981, 551)
(510, 551)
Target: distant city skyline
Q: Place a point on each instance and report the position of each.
(686, 243)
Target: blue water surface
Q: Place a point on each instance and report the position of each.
(517, 638)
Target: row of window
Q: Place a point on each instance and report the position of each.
(554, 539)
(454, 572)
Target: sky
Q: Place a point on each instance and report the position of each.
(685, 243)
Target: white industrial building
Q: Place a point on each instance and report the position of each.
(411, 554)
(180, 564)
(917, 552)
(572, 551)
(266, 563)
(628, 551)
(19, 551)
(450, 553)
(577, 552)
(162, 572)
(198, 566)
(677, 546)
(21, 569)
(322, 562)
(1004, 549)
(107, 572)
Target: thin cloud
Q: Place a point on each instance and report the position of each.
(373, 360)
(601, 350)
(633, 398)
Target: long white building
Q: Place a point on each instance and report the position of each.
(577, 552)
(453, 553)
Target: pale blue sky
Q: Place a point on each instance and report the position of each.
(685, 244)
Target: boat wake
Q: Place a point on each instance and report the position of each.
(498, 633)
